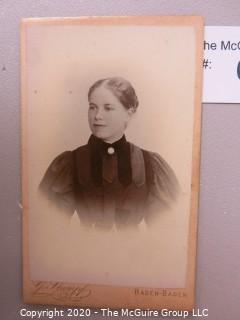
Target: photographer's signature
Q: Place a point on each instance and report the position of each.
(61, 291)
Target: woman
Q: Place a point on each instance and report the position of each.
(110, 181)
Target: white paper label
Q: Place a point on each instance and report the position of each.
(221, 65)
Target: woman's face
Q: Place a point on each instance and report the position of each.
(107, 117)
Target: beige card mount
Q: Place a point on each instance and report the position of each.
(111, 118)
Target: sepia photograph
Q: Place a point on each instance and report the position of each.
(110, 181)
(111, 125)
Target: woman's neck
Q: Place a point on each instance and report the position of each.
(111, 141)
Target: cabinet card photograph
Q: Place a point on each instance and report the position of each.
(111, 118)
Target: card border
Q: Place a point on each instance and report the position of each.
(60, 293)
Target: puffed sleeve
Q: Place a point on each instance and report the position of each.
(164, 186)
(57, 184)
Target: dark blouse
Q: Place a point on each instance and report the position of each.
(110, 184)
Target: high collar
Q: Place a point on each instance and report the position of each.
(122, 149)
(99, 145)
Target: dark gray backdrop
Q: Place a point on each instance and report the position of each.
(218, 263)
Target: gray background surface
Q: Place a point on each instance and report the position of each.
(218, 258)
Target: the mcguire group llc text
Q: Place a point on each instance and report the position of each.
(107, 312)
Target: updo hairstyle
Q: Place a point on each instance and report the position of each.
(121, 88)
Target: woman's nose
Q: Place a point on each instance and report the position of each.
(98, 114)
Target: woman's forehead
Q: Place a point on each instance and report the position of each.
(103, 94)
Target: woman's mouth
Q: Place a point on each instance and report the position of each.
(99, 125)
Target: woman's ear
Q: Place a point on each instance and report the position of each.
(131, 111)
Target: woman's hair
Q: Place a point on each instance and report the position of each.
(121, 88)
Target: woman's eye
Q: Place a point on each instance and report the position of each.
(92, 107)
(108, 108)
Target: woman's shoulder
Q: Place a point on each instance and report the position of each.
(62, 160)
(158, 164)
(160, 176)
(58, 175)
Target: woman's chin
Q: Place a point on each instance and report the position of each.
(100, 135)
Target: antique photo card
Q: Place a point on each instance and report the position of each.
(111, 118)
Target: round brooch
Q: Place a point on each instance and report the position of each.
(110, 150)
